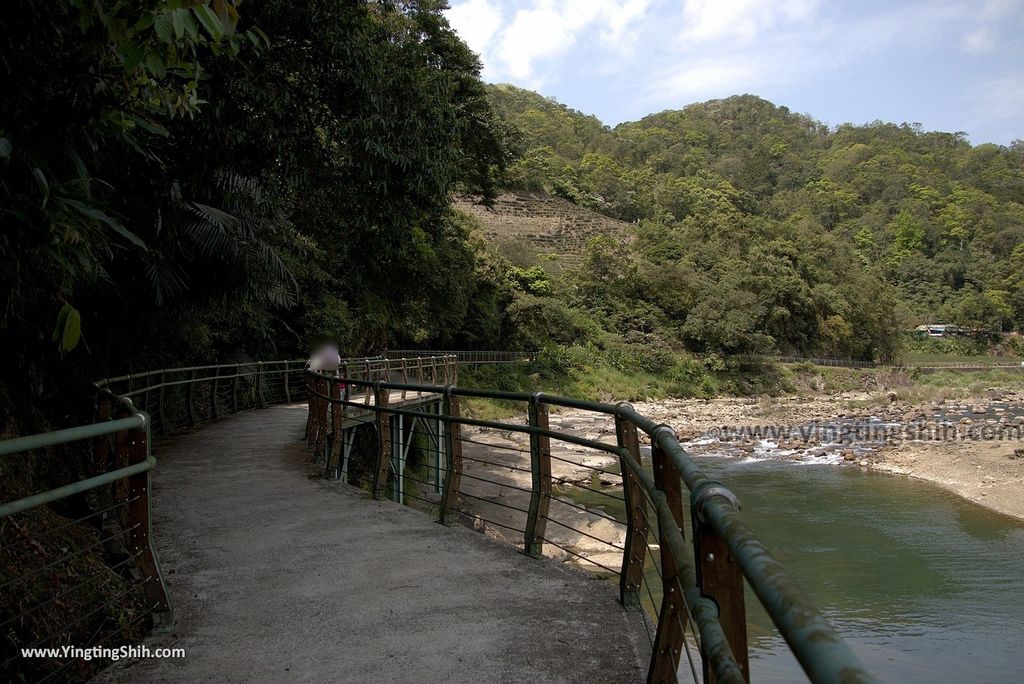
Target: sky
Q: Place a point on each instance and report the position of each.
(950, 65)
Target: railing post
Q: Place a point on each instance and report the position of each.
(287, 385)
(453, 452)
(260, 401)
(719, 577)
(337, 441)
(405, 375)
(140, 526)
(234, 390)
(308, 378)
(320, 441)
(101, 451)
(635, 552)
(668, 643)
(192, 398)
(213, 395)
(160, 401)
(380, 476)
(540, 467)
(366, 367)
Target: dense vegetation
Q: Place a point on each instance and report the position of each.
(183, 182)
(186, 181)
(759, 229)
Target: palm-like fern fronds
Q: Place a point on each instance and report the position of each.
(241, 234)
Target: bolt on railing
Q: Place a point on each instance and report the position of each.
(410, 443)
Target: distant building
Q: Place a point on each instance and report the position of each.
(938, 330)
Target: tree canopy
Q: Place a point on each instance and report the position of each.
(764, 229)
(199, 180)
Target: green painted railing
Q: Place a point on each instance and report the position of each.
(52, 588)
(470, 357)
(686, 569)
(417, 451)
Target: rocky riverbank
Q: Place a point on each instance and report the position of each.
(971, 446)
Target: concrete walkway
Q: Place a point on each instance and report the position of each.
(278, 575)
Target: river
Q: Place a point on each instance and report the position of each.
(924, 585)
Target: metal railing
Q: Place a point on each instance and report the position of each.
(181, 398)
(468, 357)
(597, 502)
(56, 588)
(817, 361)
(394, 424)
(77, 561)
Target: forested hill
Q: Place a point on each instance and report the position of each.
(817, 237)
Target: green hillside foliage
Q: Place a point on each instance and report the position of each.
(760, 229)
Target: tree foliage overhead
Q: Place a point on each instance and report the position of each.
(761, 228)
(194, 180)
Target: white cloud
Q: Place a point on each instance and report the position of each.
(476, 21)
(540, 30)
(985, 35)
(793, 45)
(709, 20)
(979, 41)
(702, 78)
(997, 105)
(628, 57)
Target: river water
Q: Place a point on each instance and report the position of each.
(925, 586)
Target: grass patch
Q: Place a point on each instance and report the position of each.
(619, 374)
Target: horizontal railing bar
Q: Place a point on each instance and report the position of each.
(209, 378)
(181, 369)
(75, 488)
(72, 434)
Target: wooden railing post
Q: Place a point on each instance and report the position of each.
(320, 441)
(140, 523)
(160, 400)
(380, 476)
(453, 452)
(101, 451)
(720, 578)
(668, 643)
(260, 400)
(366, 367)
(287, 384)
(213, 395)
(310, 399)
(635, 552)
(191, 400)
(234, 389)
(540, 492)
(337, 442)
(405, 375)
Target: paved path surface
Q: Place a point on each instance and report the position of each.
(278, 576)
